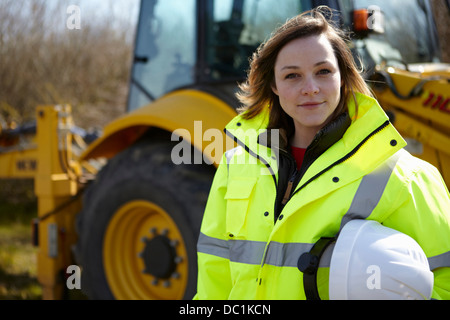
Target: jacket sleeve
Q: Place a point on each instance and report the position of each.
(424, 214)
(214, 281)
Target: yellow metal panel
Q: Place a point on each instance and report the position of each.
(424, 118)
(190, 110)
(421, 132)
(435, 144)
(55, 186)
(18, 164)
(436, 110)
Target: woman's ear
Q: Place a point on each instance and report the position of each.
(274, 88)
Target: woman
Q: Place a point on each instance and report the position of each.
(269, 203)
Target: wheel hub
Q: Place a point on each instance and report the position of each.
(159, 257)
(144, 254)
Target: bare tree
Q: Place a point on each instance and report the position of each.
(42, 61)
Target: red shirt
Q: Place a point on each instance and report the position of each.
(299, 154)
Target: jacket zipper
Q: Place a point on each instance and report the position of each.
(287, 194)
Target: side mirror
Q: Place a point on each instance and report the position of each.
(368, 20)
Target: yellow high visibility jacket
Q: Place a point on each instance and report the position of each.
(253, 232)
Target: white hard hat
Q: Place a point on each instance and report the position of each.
(371, 262)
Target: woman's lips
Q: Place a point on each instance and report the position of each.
(310, 104)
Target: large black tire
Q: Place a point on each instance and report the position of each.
(144, 177)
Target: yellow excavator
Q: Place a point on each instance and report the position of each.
(126, 206)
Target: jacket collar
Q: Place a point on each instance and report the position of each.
(363, 123)
(369, 116)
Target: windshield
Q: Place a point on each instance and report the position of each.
(186, 43)
(409, 33)
(235, 28)
(165, 50)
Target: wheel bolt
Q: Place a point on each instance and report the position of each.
(178, 260)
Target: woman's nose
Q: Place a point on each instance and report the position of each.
(309, 87)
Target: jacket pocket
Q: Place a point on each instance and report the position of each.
(238, 196)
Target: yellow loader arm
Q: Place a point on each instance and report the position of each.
(177, 110)
(419, 106)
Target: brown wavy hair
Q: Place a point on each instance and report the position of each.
(256, 93)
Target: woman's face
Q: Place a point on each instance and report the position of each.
(308, 82)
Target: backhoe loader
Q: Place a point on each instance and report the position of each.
(127, 207)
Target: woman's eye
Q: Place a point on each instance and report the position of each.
(324, 72)
(292, 76)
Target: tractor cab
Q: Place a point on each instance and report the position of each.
(206, 44)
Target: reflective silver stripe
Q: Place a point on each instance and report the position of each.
(285, 254)
(278, 254)
(439, 261)
(243, 251)
(213, 246)
(370, 191)
(252, 252)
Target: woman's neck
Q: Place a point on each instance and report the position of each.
(303, 136)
